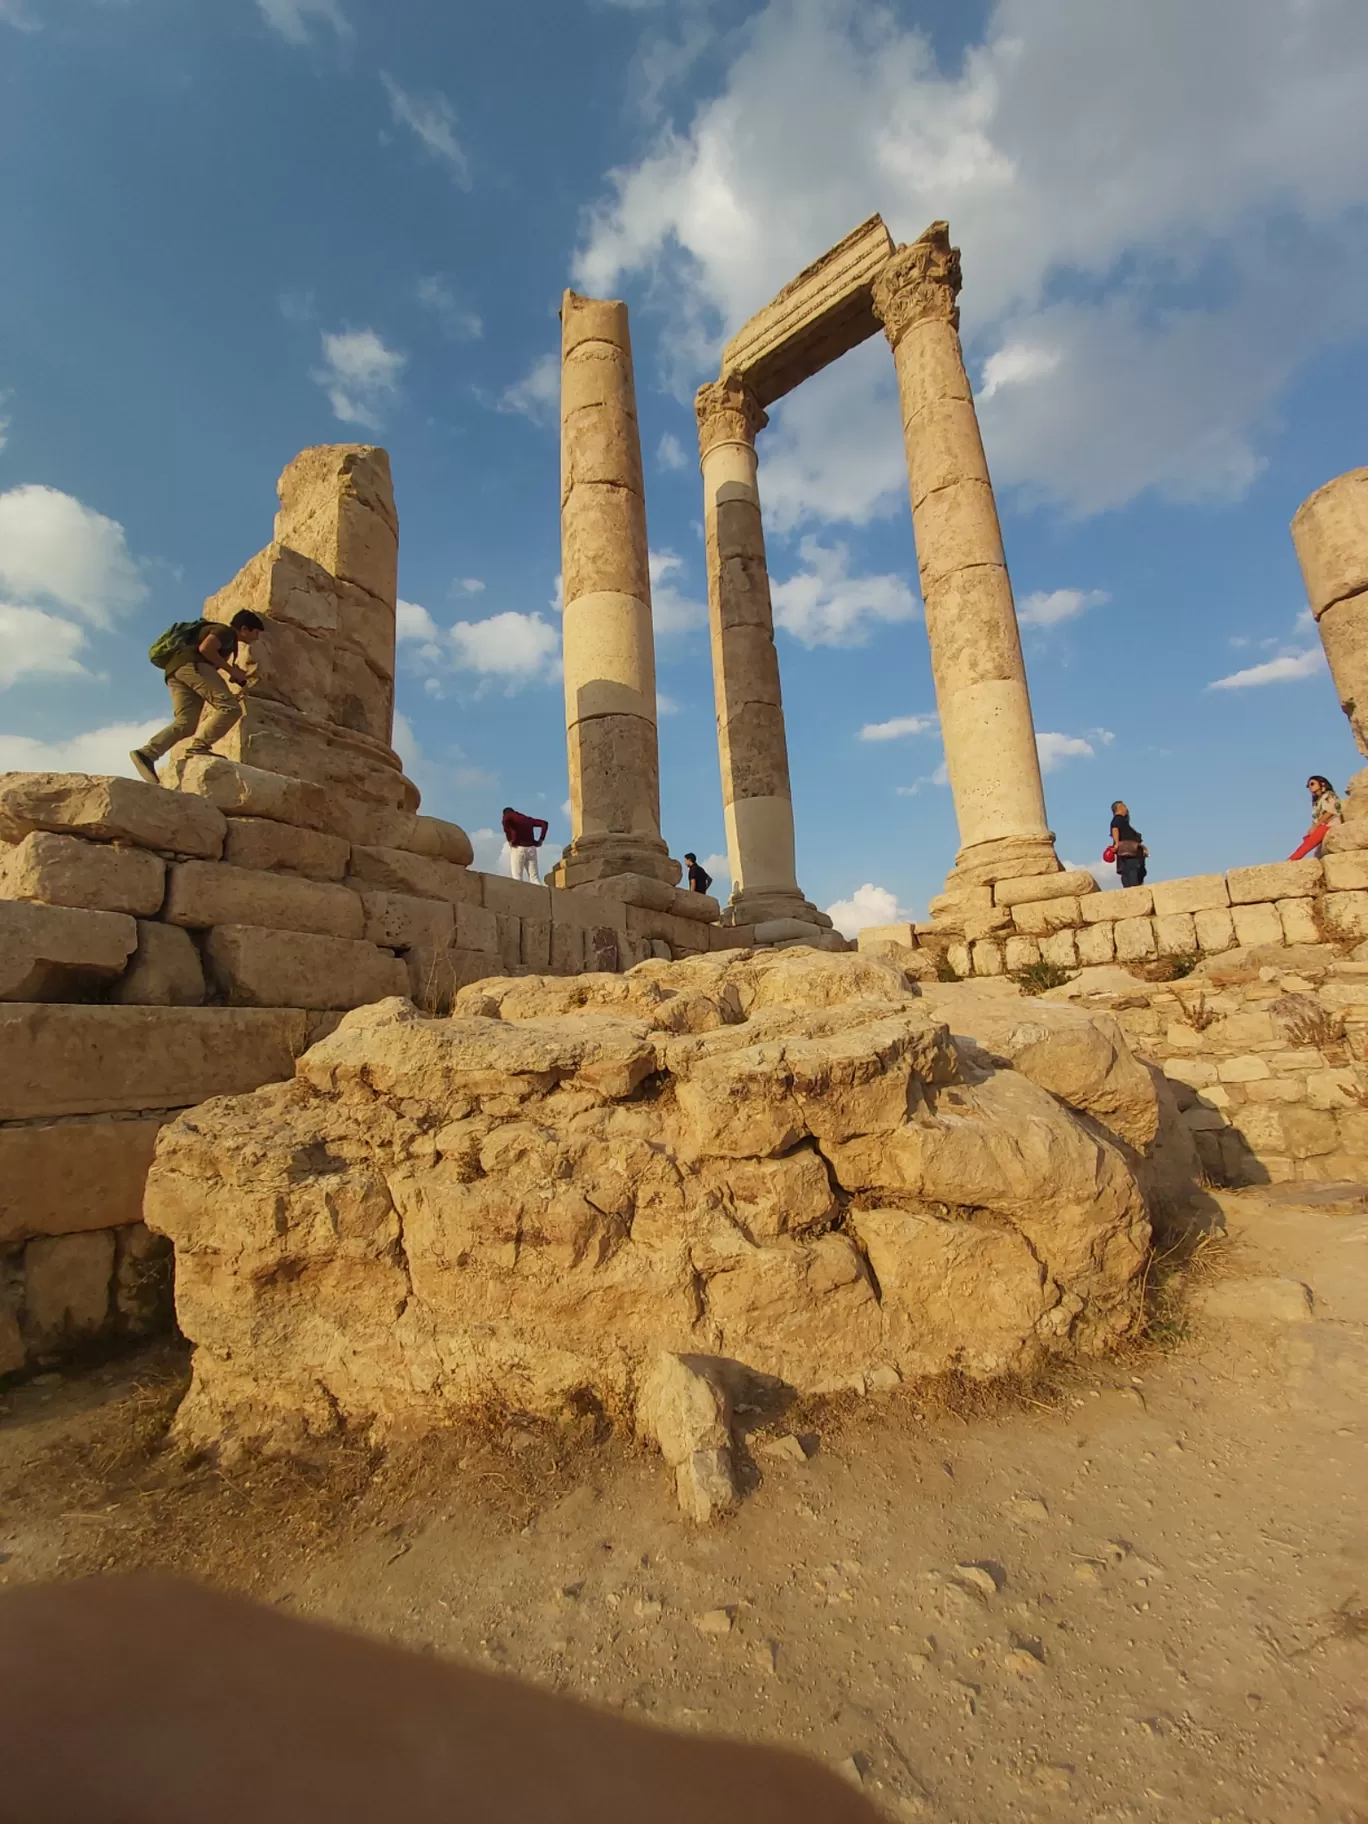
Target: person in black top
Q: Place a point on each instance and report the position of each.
(699, 878)
(1131, 853)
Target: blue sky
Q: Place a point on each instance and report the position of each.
(233, 229)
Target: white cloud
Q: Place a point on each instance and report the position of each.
(825, 606)
(665, 706)
(491, 851)
(53, 548)
(470, 585)
(413, 622)
(867, 905)
(291, 17)
(97, 750)
(4, 431)
(519, 648)
(34, 644)
(1017, 365)
(1047, 608)
(670, 452)
(672, 611)
(360, 376)
(834, 449)
(899, 726)
(433, 119)
(457, 321)
(1055, 749)
(537, 394)
(1285, 669)
(1062, 149)
(940, 777)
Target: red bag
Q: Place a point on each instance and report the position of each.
(1109, 853)
(1313, 837)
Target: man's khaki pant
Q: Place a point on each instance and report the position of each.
(194, 689)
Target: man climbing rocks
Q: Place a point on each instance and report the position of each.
(524, 836)
(193, 654)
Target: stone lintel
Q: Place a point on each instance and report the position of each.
(817, 317)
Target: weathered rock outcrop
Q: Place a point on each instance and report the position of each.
(781, 1158)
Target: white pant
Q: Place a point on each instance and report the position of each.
(522, 864)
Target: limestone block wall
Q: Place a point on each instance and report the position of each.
(1269, 1064)
(84, 1090)
(158, 948)
(1063, 919)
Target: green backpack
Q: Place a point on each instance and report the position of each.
(182, 636)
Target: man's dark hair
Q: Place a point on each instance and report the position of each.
(245, 621)
(508, 811)
(689, 855)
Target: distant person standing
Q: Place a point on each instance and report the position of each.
(1128, 848)
(524, 836)
(699, 878)
(1326, 811)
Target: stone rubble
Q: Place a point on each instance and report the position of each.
(781, 1160)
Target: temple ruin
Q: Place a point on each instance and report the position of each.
(571, 1136)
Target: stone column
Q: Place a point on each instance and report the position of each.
(756, 800)
(610, 690)
(1330, 532)
(971, 624)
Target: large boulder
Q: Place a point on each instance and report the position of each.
(784, 1160)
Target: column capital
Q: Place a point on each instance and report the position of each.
(921, 279)
(728, 412)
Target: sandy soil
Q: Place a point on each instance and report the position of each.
(1138, 1594)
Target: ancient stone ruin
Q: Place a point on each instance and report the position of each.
(423, 1137)
(158, 947)
(781, 1161)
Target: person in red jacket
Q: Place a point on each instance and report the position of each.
(524, 836)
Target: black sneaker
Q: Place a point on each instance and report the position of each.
(143, 767)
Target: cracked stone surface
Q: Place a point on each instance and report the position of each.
(791, 1159)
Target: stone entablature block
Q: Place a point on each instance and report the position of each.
(817, 317)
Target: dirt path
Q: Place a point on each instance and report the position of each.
(1145, 1598)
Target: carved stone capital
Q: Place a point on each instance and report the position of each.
(728, 412)
(921, 279)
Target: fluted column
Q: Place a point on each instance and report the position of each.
(1330, 532)
(609, 642)
(971, 624)
(753, 750)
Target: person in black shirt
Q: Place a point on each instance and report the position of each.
(1131, 853)
(699, 878)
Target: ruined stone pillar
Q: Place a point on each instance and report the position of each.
(1330, 532)
(971, 624)
(757, 803)
(609, 644)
